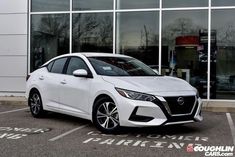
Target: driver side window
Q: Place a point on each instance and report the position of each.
(76, 63)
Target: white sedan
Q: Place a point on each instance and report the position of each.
(112, 91)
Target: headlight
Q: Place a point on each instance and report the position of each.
(135, 95)
(197, 93)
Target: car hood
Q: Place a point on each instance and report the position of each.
(160, 85)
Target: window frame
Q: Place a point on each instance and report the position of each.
(90, 75)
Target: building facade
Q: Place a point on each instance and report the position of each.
(192, 40)
(13, 46)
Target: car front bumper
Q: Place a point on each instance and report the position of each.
(143, 113)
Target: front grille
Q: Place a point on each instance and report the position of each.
(177, 108)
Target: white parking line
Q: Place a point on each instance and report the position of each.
(67, 133)
(5, 112)
(231, 125)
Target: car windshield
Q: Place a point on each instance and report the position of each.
(120, 66)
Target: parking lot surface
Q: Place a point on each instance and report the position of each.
(60, 135)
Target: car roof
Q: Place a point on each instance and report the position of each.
(101, 54)
(87, 54)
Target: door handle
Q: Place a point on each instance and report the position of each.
(41, 78)
(63, 82)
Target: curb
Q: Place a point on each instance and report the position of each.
(218, 106)
(13, 101)
(211, 106)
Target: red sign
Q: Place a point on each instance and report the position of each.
(187, 40)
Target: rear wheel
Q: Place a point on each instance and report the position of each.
(35, 104)
(105, 115)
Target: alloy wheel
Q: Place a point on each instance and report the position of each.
(35, 103)
(107, 115)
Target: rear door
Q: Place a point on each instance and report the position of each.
(52, 81)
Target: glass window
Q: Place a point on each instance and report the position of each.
(58, 65)
(222, 2)
(92, 4)
(120, 66)
(137, 4)
(223, 53)
(184, 3)
(50, 65)
(93, 32)
(137, 36)
(49, 38)
(49, 5)
(184, 52)
(76, 63)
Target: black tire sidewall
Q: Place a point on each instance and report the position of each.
(41, 111)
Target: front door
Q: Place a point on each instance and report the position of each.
(75, 91)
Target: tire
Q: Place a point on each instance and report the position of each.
(105, 116)
(35, 104)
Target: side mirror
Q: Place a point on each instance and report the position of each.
(80, 73)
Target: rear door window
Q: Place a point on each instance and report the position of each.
(49, 66)
(58, 65)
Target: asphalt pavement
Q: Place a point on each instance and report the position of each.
(66, 136)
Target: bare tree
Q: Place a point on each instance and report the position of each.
(180, 27)
(92, 29)
(53, 25)
(144, 39)
(226, 34)
(83, 25)
(105, 31)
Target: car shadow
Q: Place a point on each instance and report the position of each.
(64, 118)
(161, 130)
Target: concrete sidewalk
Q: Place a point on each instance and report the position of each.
(219, 106)
(12, 100)
(213, 106)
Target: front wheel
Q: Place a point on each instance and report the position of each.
(35, 104)
(105, 116)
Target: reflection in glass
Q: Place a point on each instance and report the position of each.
(93, 32)
(184, 53)
(137, 35)
(222, 2)
(184, 3)
(49, 5)
(223, 52)
(137, 4)
(92, 4)
(49, 37)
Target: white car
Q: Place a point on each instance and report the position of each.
(112, 91)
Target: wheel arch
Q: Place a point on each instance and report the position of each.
(99, 97)
(96, 105)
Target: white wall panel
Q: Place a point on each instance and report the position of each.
(13, 66)
(13, 24)
(12, 84)
(13, 6)
(13, 45)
